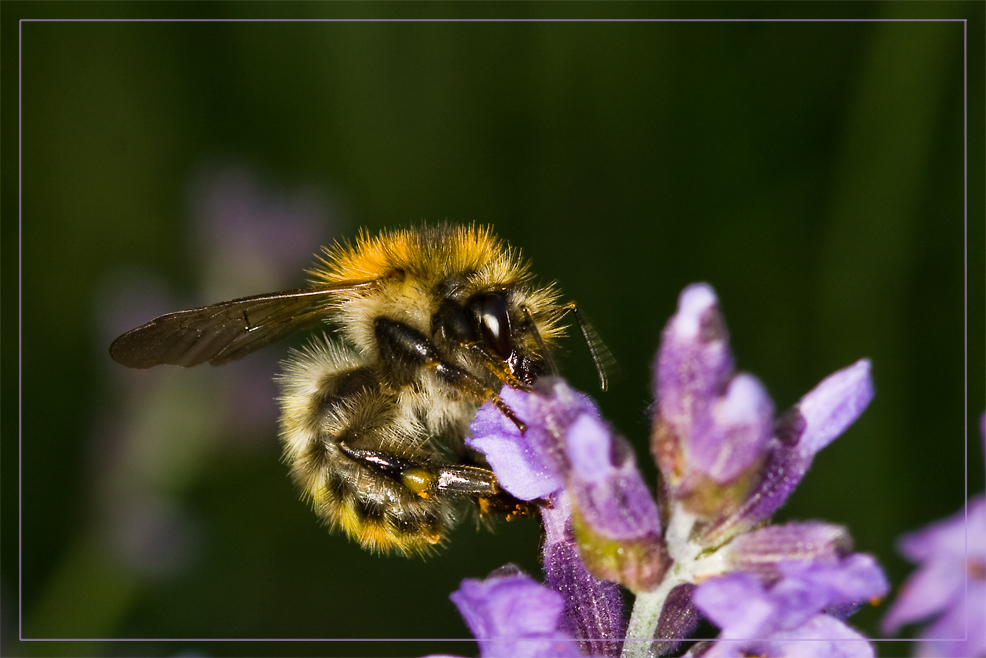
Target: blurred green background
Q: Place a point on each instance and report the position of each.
(812, 172)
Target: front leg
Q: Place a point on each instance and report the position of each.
(407, 351)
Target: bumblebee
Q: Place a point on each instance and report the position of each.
(428, 323)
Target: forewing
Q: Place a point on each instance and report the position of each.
(226, 331)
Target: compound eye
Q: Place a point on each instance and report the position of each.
(495, 324)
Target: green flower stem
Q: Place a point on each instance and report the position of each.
(648, 605)
(645, 616)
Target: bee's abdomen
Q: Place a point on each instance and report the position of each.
(354, 456)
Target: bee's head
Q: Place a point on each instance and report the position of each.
(519, 325)
(509, 333)
(495, 325)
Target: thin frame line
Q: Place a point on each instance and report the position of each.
(494, 20)
(21, 22)
(965, 293)
(20, 330)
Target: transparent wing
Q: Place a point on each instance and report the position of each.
(224, 332)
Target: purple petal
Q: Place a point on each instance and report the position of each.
(679, 619)
(519, 467)
(553, 408)
(490, 421)
(796, 601)
(587, 444)
(856, 579)
(693, 364)
(833, 405)
(599, 468)
(694, 359)
(761, 551)
(593, 607)
(821, 415)
(617, 505)
(512, 615)
(820, 637)
(741, 422)
(618, 525)
(619, 521)
(779, 476)
(740, 605)
(808, 588)
(566, 443)
(737, 603)
(946, 538)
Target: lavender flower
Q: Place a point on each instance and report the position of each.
(244, 232)
(250, 235)
(949, 586)
(726, 464)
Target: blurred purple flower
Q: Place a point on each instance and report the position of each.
(251, 239)
(949, 586)
(739, 423)
(152, 535)
(241, 222)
